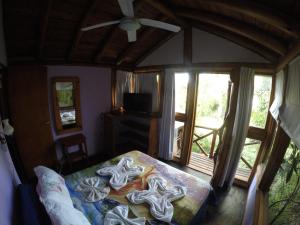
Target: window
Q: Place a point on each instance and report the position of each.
(66, 104)
(181, 86)
(257, 131)
(284, 194)
(261, 101)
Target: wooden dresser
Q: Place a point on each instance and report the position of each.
(126, 132)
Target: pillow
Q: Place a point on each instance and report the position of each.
(63, 214)
(51, 186)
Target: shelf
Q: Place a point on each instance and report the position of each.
(136, 125)
(129, 146)
(135, 136)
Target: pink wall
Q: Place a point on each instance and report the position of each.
(95, 98)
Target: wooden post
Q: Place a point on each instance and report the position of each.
(213, 143)
(188, 46)
(281, 143)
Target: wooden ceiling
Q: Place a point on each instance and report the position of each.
(48, 31)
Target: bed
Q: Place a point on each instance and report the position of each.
(189, 210)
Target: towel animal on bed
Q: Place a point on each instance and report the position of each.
(121, 173)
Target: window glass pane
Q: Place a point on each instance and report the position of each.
(64, 92)
(261, 101)
(248, 158)
(284, 194)
(181, 85)
(212, 99)
(178, 138)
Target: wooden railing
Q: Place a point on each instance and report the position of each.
(214, 133)
(198, 138)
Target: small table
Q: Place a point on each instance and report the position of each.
(74, 140)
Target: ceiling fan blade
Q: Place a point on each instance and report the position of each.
(131, 35)
(100, 25)
(159, 24)
(127, 7)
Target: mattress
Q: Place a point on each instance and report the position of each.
(186, 210)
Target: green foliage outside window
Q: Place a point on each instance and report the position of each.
(284, 195)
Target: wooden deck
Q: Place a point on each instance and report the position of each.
(205, 165)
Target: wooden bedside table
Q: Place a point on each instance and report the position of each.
(75, 156)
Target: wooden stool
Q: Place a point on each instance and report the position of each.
(74, 140)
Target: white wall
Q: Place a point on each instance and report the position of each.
(206, 48)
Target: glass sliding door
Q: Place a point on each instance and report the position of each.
(211, 108)
(257, 128)
(181, 90)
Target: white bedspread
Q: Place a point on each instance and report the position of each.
(121, 172)
(159, 197)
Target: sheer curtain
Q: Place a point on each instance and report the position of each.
(166, 136)
(278, 100)
(123, 85)
(241, 125)
(289, 113)
(148, 83)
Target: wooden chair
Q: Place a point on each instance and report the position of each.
(74, 156)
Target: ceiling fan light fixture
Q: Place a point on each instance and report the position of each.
(130, 24)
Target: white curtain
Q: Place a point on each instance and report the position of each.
(241, 124)
(148, 83)
(279, 93)
(7, 162)
(289, 113)
(123, 85)
(166, 136)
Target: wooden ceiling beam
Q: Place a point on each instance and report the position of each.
(44, 27)
(291, 54)
(236, 27)
(105, 43)
(122, 56)
(241, 41)
(79, 32)
(149, 51)
(188, 46)
(160, 6)
(253, 12)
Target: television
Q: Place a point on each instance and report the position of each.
(137, 102)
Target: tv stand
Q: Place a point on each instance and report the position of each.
(124, 132)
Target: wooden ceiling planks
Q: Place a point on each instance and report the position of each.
(53, 27)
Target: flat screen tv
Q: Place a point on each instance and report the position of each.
(137, 102)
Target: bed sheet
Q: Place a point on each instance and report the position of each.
(185, 209)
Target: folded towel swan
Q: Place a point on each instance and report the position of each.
(119, 215)
(121, 172)
(159, 197)
(93, 189)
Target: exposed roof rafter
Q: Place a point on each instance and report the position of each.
(160, 6)
(254, 12)
(237, 28)
(82, 23)
(43, 27)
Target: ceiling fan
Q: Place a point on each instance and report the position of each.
(131, 24)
